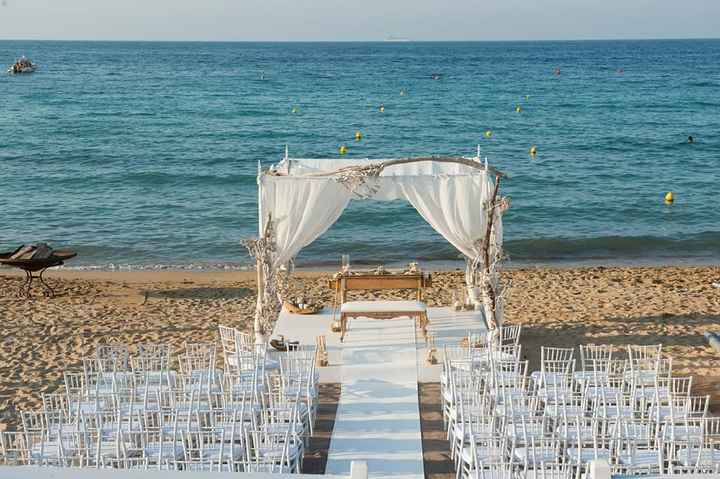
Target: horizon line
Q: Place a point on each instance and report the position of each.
(364, 41)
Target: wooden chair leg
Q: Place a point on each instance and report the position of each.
(343, 327)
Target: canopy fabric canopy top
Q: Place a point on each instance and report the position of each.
(300, 199)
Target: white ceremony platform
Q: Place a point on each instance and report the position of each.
(379, 366)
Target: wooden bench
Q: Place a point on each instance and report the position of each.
(383, 310)
(358, 281)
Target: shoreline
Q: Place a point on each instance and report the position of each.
(106, 272)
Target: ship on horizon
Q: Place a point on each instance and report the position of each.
(395, 38)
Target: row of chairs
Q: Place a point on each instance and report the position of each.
(254, 413)
(629, 411)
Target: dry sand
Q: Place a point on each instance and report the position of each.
(566, 307)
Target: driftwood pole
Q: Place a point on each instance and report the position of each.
(257, 326)
(489, 283)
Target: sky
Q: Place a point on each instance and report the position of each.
(366, 20)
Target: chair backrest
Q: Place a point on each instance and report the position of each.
(55, 402)
(541, 449)
(154, 349)
(258, 441)
(638, 352)
(633, 434)
(228, 342)
(553, 470)
(244, 341)
(555, 354)
(509, 374)
(209, 442)
(200, 348)
(13, 451)
(525, 429)
(113, 357)
(594, 352)
(510, 334)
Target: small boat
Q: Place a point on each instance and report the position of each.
(22, 66)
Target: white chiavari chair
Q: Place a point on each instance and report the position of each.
(548, 354)
(510, 334)
(13, 451)
(483, 450)
(639, 447)
(162, 439)
(474, 421)
(697, 453)
(586, 439)
(271, 452)
(590, 356)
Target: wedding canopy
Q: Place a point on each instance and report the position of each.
(299, 199)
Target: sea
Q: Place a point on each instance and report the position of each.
(144, 155)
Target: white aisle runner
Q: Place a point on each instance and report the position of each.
(378, 418)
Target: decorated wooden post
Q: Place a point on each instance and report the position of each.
(268, 307)
(483, 280)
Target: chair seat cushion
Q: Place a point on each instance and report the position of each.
(587, 454)
(484, 454)
(536, 455)
(383, 307)
(165, 451)
(640, 458)
(701, 457)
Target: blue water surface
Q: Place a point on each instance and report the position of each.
(145, 154)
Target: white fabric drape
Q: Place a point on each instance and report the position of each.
(454, 206)
(304, 199)
(301, 211)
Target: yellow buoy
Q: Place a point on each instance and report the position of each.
(382, 108)
(518, 108)
(488, 134)
(527, 97)
(342, 149)
(358, 136)
(533, 150)
(669, 198)
(295, 109)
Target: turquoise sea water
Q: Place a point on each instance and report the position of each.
(145, 154)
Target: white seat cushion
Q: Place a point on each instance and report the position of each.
(640, 458)
(383, 307)
(701, 457)
(535, 455)
(587, 454)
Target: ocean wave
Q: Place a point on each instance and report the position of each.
(705, 83)
(154, 178)
(704, 245)
(701, 248)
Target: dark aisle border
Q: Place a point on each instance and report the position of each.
(436, 449)
(317, 451)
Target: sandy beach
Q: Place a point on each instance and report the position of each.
(564, 307)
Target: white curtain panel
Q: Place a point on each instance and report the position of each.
(453, 206)
(302, 210)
